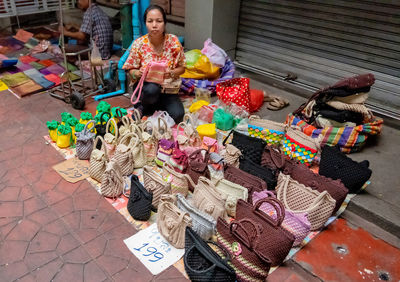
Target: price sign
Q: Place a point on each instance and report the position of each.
(73, 170)
(150, 247)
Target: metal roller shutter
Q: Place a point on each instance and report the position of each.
(322, 41)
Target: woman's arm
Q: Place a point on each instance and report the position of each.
(135, 73)
(176, 72)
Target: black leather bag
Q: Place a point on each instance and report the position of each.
(266, 174)
(337, 165)
(139, 203)
(202, 263)
(250, 147)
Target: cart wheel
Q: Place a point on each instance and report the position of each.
(77, 100)
(109, 86)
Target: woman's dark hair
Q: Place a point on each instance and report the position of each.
(155, 7)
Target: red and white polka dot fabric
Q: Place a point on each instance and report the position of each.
(236, 90)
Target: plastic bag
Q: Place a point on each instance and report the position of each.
(215, 54)
(95, 57)
(223, 120)
(198, 66)
(202, 94)
(163, 114)
(256, 99)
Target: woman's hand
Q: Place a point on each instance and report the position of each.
(170, 74)
(136, 73)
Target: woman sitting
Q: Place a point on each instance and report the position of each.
(157, 46)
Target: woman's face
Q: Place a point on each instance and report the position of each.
(155, 23)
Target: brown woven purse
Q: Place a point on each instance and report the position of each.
(155, 184)
(198, 166)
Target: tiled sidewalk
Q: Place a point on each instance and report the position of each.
(54, 230)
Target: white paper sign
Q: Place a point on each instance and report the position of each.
(150, 247)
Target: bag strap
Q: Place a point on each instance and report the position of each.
(118, 113)
(85, 129)
(197, 152)
(136, 115)
(103, 147)
(111, 120)
(136, 129)
(126, 136)
(226, 138)
(140, 85)
(101, 117)
(252, 235)
(277, 205)
(165, 127)
(144, 127)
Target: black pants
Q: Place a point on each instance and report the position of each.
(152, 100)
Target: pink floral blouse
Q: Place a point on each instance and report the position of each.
(141, 53)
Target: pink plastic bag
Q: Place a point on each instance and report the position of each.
(206, 113)
(214, 53)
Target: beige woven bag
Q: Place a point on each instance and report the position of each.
(149, 141)
(111, 140)
(299, 198)
(231, 155)
(190, 136)
(179, 182)
(124, 128)
(98, 160)
(112, 183)
(265, 123)
(123, 154)
(172, 222)
(138, 150)
(232, 192)
(155, 184)
(207, 199)
(163, 131)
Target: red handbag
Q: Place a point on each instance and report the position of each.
(236, 90)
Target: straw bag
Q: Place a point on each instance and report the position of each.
(84, 141)
(155, 185)
(279, 241)
(138, 150)
(112, 183)
(299, 198)
(124, 127)
(162, 131)
(300, 146)
(297, 224)
(257, 170)
(98, 160)
(190, 134)
(150, 143)
(111, 140)
(172, 222)
(179, 182)
(270, 131)
(139, 203)
(232, 192)
(203, 224)
(202, 263)
(207, 199)
(123, 154)
(198, 166)
(247, 180)
(240, 237)
(231, 155)
(250, 147)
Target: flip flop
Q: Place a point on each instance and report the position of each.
(277, 103)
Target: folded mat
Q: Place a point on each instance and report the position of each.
(56, 68)
(27, 59)
(23, 67)
(37, 66)
(13, 80)
(70, 66)
(54, 78)
(46, 63)
(26, 88)
(45, 71)
(43, 56)
(36, 76)
(23, 35)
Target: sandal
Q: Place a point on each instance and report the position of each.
(275, 103)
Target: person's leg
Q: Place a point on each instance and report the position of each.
(149, 98)
(173, 105)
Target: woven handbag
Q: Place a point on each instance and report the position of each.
(247, 180)
(101, 127)
(270, 131)
(210, 144)
(149, 142)
(231, 155)
(336, 165)
(112, 183)
(138, 150)
(299, 198)
(139, 203)
(240, 237)
(207, 199)
(235, 90)
(198, 166)
(111, 140)
(250, 147)
(203, 224)
(304, 175)
(178, 159)
(98, 160)
(155, 184)
(297, 224)
(300, 146)
(123, 154)
(162, 131)
(257, 170)
(172, 222)
(164, 151)
(124, 126)
(190, 136)
(232, 192)
(202, 263)
(279, 241)
(84, 141)
(179, 182)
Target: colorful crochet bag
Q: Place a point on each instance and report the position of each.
(270, 131)
(236, 90)
(179, 182)
(299, 146)
(164, 152)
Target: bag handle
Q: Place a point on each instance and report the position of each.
(144, 127)
(85, 129)
(118, 113)
(278, 161)
(136, 115)
(165, 127)
(226, 138)
(313, 206)
(277, 205)
(126, 121)
(211, 187)
(140, 86)
(126, 136)
(197, 152)
(102, 121)
(252, 235)
(111, 120)
(171, 170)
(136, 129)
(103, 146)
